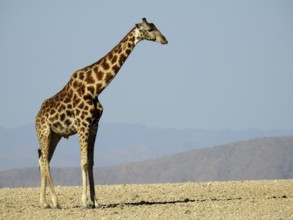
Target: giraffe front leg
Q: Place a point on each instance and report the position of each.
(91, 146)
(87, 169)
(84, 184)
(87, 130)
(84, 166)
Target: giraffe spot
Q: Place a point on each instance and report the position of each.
(122, 59)
(115, 68)
(88, 119)
(128, 51)
(56, 117)
(68, 113)
(100, 75)
(108, 78)
(91, 89)
(76, 102)
(115, 50)
(46, 114)
(52, 118)
(82, 130)
(110, 56)
(57, 124)
(81, 105)
(89, 79)
(85, 124)
(98, 87)
(62, 117)
(81, 75)
(74, 75)
(61, 108)
(105, 65)
(75, 98)
(70, 93)
(86, 108)
(114, 59)
(77, 112)
(87, 97)
(132, 38)
(67, 122)
(92, 111)
(75, 84)
(81, 90)
(52, 112)
(67, 99)
(96, 69)
(43, 121)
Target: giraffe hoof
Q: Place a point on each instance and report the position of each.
(97, 205)
(86, 207)
(91, 206)
(45, 206)
(56, 206)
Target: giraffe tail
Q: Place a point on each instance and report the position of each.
(40, 154)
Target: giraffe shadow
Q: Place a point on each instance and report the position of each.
(146, 203)
(150, 203)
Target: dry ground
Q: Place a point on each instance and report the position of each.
(215, 200)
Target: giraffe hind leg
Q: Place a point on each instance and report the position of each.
(87, 136)
(91, 145)
(55, 138)
(48, 145)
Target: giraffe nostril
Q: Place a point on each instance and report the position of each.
(164, 40)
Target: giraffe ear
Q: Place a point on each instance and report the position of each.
(138, 27)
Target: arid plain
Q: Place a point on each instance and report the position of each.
(271, 199)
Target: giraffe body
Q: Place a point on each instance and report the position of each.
(76, 109)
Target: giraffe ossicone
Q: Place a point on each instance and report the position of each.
(76, 109)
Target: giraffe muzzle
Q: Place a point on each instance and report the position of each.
(163, 40)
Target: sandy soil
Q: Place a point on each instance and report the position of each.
(215, 200)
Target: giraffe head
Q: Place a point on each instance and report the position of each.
(148, 31)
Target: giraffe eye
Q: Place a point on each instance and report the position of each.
(150, 30)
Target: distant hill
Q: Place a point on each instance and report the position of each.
(257, 159)
(118, 143)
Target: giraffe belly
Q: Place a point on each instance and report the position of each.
(64, 128)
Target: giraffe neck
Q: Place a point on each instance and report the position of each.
(98, 75)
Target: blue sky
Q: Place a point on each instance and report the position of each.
(228, 64)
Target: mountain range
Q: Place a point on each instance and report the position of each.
(257, 159)
(119, 143)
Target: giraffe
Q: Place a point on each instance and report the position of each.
(76, 109)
